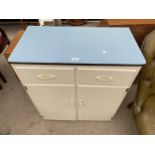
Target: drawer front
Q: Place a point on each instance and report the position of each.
(106, 75)
(44, 74)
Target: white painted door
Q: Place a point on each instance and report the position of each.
(99, 102)
(54, 102)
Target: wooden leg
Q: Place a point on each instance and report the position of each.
(3, 78)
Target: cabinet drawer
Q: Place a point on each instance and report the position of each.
(106, 75)
(44, 74)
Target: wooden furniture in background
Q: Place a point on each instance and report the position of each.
(22, 22)
(25, 22)
(76, 22)
(13, 43)
(129, 21)
(139, 27)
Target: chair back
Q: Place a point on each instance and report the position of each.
(146, 84)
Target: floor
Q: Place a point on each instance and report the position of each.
(18, 116)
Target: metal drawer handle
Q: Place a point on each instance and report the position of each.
(46, 77)
(104, 78)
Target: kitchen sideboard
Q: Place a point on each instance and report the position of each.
(76, 73)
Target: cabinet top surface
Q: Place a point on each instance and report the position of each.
(77, 45)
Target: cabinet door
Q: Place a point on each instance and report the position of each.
(55, 102)
(99, 102)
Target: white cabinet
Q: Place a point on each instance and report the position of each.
(68, 92)
(95, 67)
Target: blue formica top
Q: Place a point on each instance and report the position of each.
(77, 45)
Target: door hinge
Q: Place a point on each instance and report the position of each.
(127, 90)
(25, 87)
